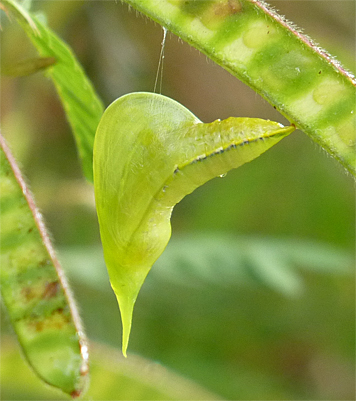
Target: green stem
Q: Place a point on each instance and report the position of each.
(259, 47)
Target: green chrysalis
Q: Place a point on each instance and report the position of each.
(150, 152)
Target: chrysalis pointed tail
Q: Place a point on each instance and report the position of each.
(126, 306)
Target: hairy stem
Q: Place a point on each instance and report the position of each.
(263, 50)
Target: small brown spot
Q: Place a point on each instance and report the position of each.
(319, 72)
(230, 7)
(84, 370)
(30, 230)
(44, 262)
(39, 326)
(75, 393)
(28, 294)
(51, 290)
(235, 6)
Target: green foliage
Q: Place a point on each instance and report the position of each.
(225, 334)
(111, 378)
(81, 103)
(224, 261)
(299, 346)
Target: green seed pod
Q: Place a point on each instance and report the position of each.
(34, 289)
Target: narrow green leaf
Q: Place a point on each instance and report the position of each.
(263, 50)
(34, 289)
(28, 67)
(226, 260)
(222, 260)
(149, 153)
(81, 103)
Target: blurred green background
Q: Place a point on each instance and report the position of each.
(254, 299)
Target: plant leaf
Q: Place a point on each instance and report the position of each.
(81, 103)
(28, 67)
(225, 260)
(34, 289)
(222, 260)
(258, 46)
(149, 153)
